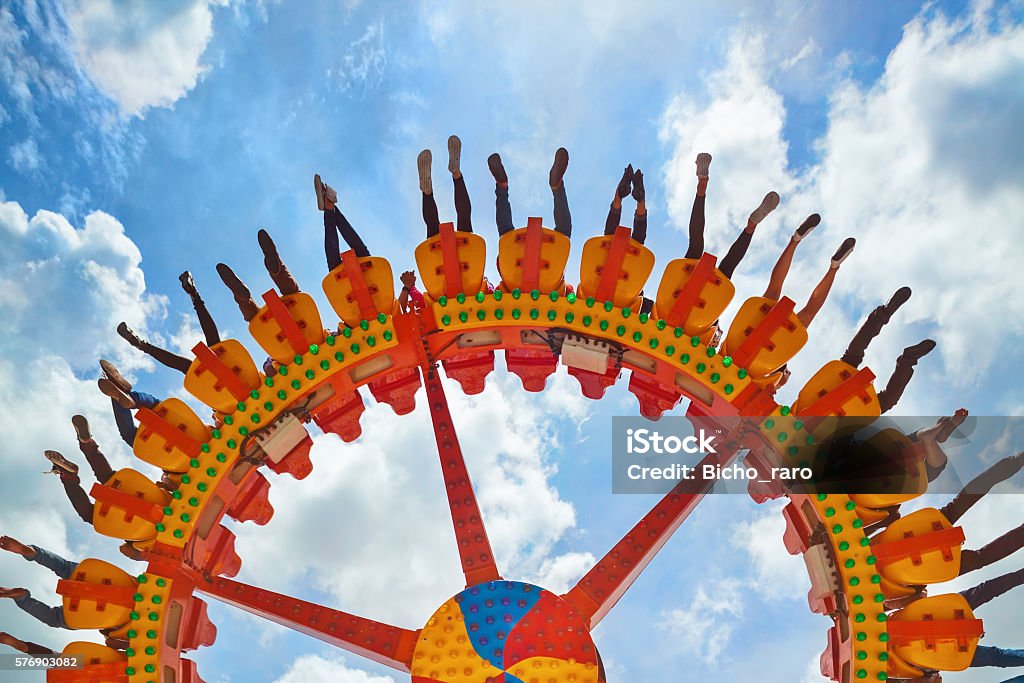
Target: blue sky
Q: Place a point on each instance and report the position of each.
(138, 140)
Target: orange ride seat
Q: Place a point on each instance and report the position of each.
(693, 294)
(169, 435)
(764, 335)
(615, 268)
(360, 288)
(451, 263)
(287, 325)
(222, 375)
(938, 632)
(98, 595)
(128, 506)
(919, 549)
(532, 258)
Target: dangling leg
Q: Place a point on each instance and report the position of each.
(430, 217)
(162, 356)
(901, 375)
(993, 588)
(25, 646)
(463, 207)
(206, 322)
(781, 269)
(820, 293)
(976, 488)
(502, 206)
(90, 449)
(640, 216)
(615, 211)
(275, 266)
(556, 181)
(695, 248)
(243, 297)
(877, 319)
(1004, 546)
(739, 247)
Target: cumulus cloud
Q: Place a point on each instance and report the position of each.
(362, 66)
(922, 167)
(704, 627)
(331, 668)
(390, 552)
(62, 290)
(24, 156)
(775, 574)
(142, 55)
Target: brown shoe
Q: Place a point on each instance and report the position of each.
(558, 167)
(497, 169)
(188, 284)
(13, 593)
(111, 372)
(128, 334)
(318, 187)
(111, 389)
(60, 462)
(81, 426)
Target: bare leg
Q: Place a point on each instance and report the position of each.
(818, 296)
(780, 271)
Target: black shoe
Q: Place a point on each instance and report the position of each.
(129, 335)
(899, 298)
(497, 169)
(810, 223)
(81, 426)
(844, 250)
(188, 284)
(60, 463)
(638, 186)
(558, 167)
(270, 255)
(918, 351)
(625, 182)
(111, 373)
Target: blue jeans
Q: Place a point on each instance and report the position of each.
(986, 655)
(123, 416)
(503, 210)
(55, 563)
(51, 616)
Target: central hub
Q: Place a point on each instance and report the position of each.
(506, 631)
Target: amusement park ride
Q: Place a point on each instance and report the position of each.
(499, 629)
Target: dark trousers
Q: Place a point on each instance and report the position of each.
(97, 461)
(165, 357)
(206, 321)
(503, 211)
(123, 416)
(463, 209)
(981, 485)
(639, 224)
(695, 248)
(334, 223)
(80, 500)
(1005, 545)
(993, 588)
(854, 355)
(986, 655)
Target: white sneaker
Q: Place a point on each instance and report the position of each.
(810, 223)
(703, 164)
(454, 154)
(768, 204)
(423, 161)
(844, 250)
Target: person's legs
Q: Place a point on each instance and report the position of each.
(780, 271)
(556, 181)
(341, 225)
(275, 266)
(162, 356)
(739, 248)
(27, 647)
(820, 293)
(430, 217)
(623, 189)
(77, 495)
(51, 616)
(696, 229)
(502, 206)
(463, 208)
(123, 413)
(1004, 546)
(876, 320)
(640, 215)
(206, 322)
(97, 461)
(55, 563)
(973, 491)
(332, 250)
(986, 655)
(243, 297)
(993, 588)
(900, 377)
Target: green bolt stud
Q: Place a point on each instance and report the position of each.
(516, 293)
(626, 312)
(608, 306)
(534, 313)
(443, 300)
(715, 377)
(313, 349)
(684, 358)
(590, 302)
(298, 359)
(479, 297)
(587, 320)
(728, 388)
(446, 320)
(637, 336)
(497, 295)
(388, 336)
(330, 340)
(569, 317)
(498, 314)
(701, 367)
(742, 374)
(643, 317)
(324, 365)
(347, 332)
(570, 297)
(516, 313)
(463, 316)
(354, 348)
(603, 325)
(553, 296)
(535, 294)
(620, 330)
(678, 332)
(338, 356)
(552, 314)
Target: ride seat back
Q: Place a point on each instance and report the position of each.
(452, 262)
(938, 632)
(693, 294)
(97, 595)
(287, 325)
(128, 506)
(222, 375)
(532, 258)
(614, 268)
(764, 335)
(921, 548)
(169, 435)
(360, 288)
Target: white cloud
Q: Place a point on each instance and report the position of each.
(775, 574)
(332, 668)
(391, 555)
(364, 62)
(704, 627)
(142, 55)
(922, 167)
(24, 156)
